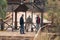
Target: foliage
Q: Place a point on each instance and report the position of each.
(3, 4)
(53, 10)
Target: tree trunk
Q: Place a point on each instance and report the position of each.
(2, 24)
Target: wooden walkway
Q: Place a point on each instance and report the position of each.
(5, 35)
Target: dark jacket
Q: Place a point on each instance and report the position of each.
(21, 21)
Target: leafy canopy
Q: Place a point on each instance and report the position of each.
(3, 4)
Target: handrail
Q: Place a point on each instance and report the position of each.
(39, 31)
(8, 25)
(8, 16)
(8, 19)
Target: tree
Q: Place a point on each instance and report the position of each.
(3, 4)
(54, 14)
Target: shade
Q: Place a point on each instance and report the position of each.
(21, 8)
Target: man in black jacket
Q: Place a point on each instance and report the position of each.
(22, 25)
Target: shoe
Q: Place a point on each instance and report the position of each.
(23, 33)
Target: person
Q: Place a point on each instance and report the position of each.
(22, 25)
(37, 23)
(29, 22)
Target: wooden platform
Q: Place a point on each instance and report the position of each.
(4, 35)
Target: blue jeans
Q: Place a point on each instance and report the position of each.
(22, 29)
(37, 26)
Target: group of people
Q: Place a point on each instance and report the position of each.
(28, 24)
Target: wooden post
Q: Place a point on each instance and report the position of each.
(25, 16)
(32, 21)
(32, 15)
(12, 17)
(42, 12)
(15, 20)
(25, 19)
